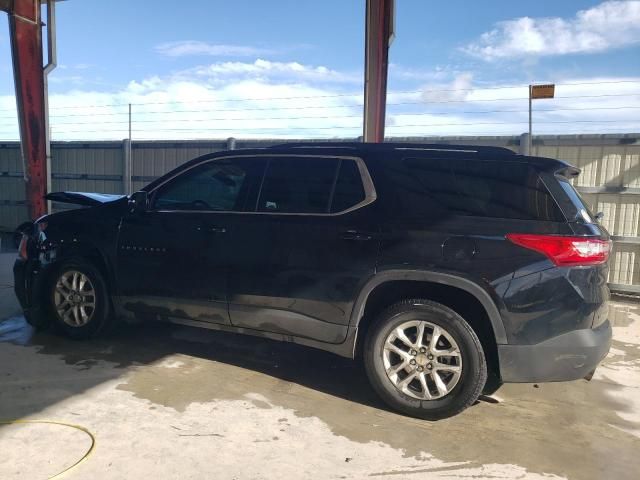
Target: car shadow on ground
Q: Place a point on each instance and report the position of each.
(144, 344)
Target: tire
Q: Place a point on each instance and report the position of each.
(88, 313)
(463, 385)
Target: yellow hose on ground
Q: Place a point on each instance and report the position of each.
(64, 424)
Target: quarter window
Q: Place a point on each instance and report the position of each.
(437, 187)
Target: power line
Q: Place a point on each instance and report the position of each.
(486, 133)
(338, 127)
(359, 104)
(326, 117)
(394, 104)
(206, 133)
(341, 95)
(426, 104)
(400, 92)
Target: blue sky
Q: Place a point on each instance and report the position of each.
(289, 68)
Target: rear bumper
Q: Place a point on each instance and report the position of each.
(569, 356)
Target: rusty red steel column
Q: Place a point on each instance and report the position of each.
(378, 34)
(26, 47)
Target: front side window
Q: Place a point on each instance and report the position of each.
(218, 185)
(298, 185)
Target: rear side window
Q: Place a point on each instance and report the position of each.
(298, 185)
(427, 187)
(349, 190)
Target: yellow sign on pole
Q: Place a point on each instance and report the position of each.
(542, 91)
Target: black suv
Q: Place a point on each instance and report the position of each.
(449, 269)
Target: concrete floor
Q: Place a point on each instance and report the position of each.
(176, 402)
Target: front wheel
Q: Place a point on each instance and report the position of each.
(425, 360)
(78, 300)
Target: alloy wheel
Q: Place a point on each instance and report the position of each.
(422, 360)
(74, 298)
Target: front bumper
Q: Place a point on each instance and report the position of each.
(20, 282)
(28, 284)
(569, 356)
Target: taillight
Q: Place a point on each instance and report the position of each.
(22, 248)
(565, 250)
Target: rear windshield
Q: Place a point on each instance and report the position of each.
(473, 188)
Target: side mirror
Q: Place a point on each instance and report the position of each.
(599, 216)
(139, 202)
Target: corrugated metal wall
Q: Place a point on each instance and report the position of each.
(12, 192)
(610, 183)
(610, 179)
(152, 159)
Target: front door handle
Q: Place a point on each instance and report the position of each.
(211, 229)
(356, 235)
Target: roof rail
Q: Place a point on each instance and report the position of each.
(319, 144)
(399, 146)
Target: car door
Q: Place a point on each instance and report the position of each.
(301, 257)
(172, 258)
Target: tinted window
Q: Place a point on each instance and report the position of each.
(581, 206)
(218, 185)
(471, 187)
(349, 190)
(298, 185)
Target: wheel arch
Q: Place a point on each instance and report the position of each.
(81, 250)
(462, 295)
(439, 278)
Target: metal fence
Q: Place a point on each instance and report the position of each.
(610, 179)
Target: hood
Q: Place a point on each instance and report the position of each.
(83, 198)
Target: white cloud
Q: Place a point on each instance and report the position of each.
(243, 101)
(458, 89)
(261, 99)
(611, 24)
(582, 105)
(194, 47)
(402, 72)
(266, 69)
(67, 79)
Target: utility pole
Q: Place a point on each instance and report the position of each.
(130, 167)
(530, 128)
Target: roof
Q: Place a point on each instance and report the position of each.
(429, 149)
(424, 150)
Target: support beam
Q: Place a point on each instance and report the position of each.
(26, 47)
(378, 35)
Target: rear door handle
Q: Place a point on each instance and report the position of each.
(356, 235)
(211, 229)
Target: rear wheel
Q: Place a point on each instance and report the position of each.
(78, 300)
(425, 360)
